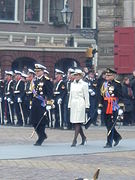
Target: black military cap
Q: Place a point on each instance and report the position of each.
(110, 71)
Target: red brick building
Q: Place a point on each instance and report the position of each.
(33, 31)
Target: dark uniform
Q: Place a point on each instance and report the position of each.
(1, 101)
(59, 100)
(110, 102)
(66, 109)
(92, 114)
(42, 95)
(9, 98)
(19, 92)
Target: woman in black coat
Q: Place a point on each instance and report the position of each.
(128, 101)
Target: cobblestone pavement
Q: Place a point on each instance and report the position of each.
(113, 166)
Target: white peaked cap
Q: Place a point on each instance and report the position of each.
(59, 71)
(24, 75)
(17, 72)
(31, 71)
(45, 71)
(9, 73)
(39, 66)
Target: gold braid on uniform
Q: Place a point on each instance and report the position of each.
(103, 90)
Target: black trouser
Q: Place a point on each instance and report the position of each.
(109, 121)
(19, 113)
(10, 113)
(38, 119)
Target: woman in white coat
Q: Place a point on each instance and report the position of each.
(78, 104)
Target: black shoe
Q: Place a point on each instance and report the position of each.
(74, 143)
(84, 140)
(87, 125)
(108, 146)
(37, 144)
(117, 142)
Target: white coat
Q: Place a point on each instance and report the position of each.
(78, 101)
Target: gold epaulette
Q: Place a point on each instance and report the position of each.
(47, 78)
(103, 90)
(117, 81)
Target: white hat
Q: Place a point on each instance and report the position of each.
(59, 71)
(71, 70)
(45, 71)
(9, 73)
(39, 66)
(31, 71)
(24, 75)
(17, 72)
(78, 71)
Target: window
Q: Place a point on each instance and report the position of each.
(33, 10)
(7, 10)
(87, 13)
(55, 7)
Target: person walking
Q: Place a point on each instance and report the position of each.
(110, 101)
(42, 95)
(78, 104)
(128, 102)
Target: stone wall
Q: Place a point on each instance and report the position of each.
(109, 15)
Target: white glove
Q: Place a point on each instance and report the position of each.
(120, 112)
(48, 107)
(19, 100)
(90, 90)
(59, 101)
(0, 100)
(5, 98)
(99, 111)
(8, 100)
(93, 93)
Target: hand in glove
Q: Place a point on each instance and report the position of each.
(90, 90)
(19, 100)
(48, 107)
(59, 101)
(99, 111)
(8, 100)
(120, 112)
(93, 93)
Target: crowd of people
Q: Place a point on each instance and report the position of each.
(67, 101)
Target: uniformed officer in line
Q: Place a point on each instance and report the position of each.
(50, 112)
(110, 102)
(9, 97)
(1, 100)
(42, 95)
(59, 98)
(24, 102)
(70, 78)
(92, 84)
(19, 92)
(29, 94)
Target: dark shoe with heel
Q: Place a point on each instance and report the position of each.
(84, 140)
(117, 142)
(108, 146)
(74, 143)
